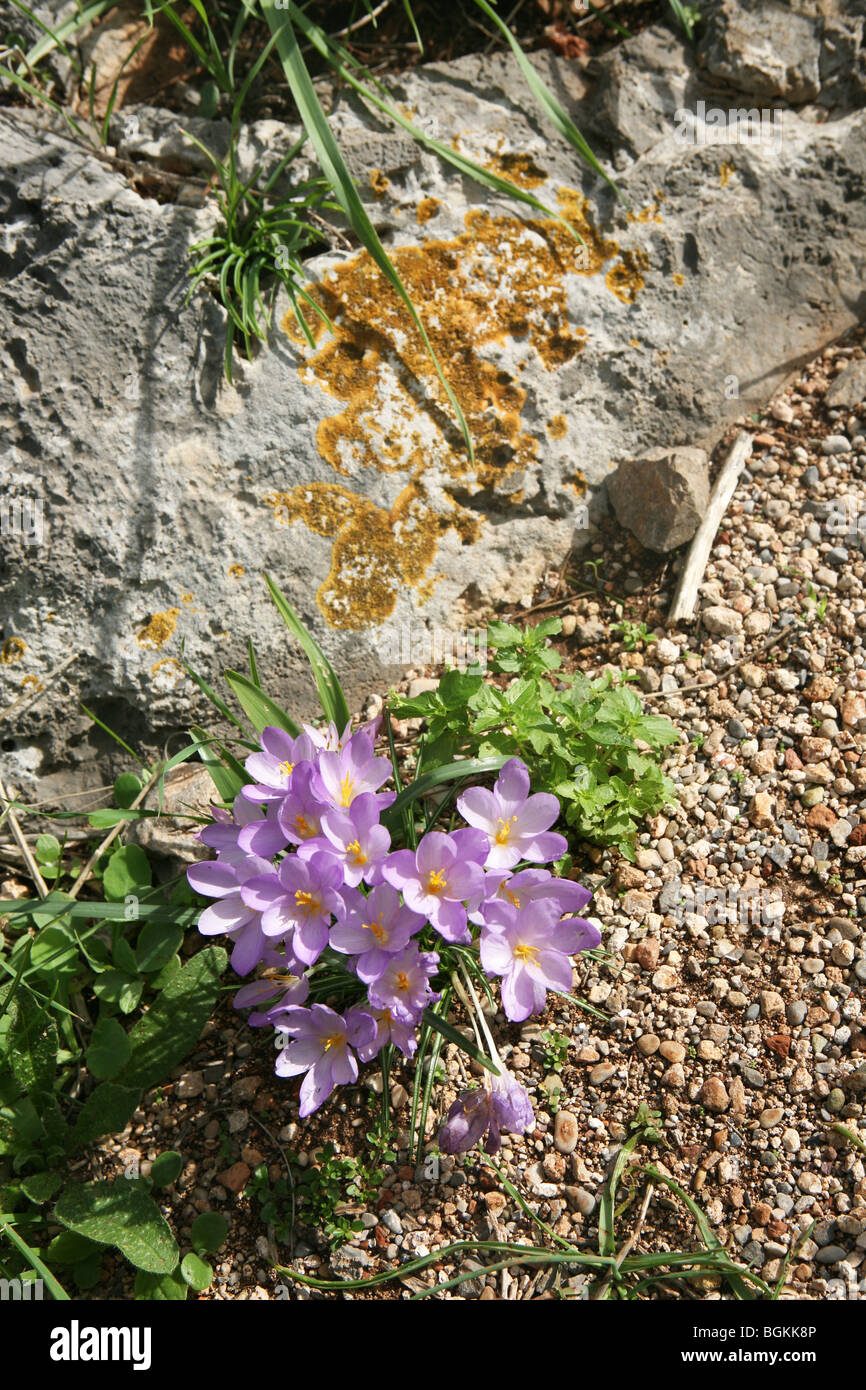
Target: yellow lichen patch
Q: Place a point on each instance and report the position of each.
(678, 278)
(379, 182)
(647, 214)
(186, 598)
(377, 552)
(625, 279)
(32, 680)
(557, 427)
(634, 342)
(502, 279)
(168, 661)
(576, 483)
(235, 571)
(518, 168)
(12, 650)
(160, 627)
(725, 171)
(427, 208)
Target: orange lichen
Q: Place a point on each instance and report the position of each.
(167, 661)
(501, 279)
(377, 552)
(625, 279)
(235, 571)
(647, 214)
(678, 278)
(158, 629)
(520, 169)
(427, 208)
(379, 182)
(12, 650)
(32, 680)
(577, 483)
(725, 171)
(557, 427)
(634, 342)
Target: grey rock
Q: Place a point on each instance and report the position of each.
(836, 444)
(661, 496)
(849, 387)
(830, 1255)
(164, 490)
(763, 49)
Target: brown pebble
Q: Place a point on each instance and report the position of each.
(235, 1178)
(713, 1095)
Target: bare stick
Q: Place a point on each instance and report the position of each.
(686, 595)
(32, 866)
(109, 839)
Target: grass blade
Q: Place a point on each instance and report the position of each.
(331, 696)
(334, 168)
(57, 1290)
(259, 708)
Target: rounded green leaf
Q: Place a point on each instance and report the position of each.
(52, 953)
(196, 1272)
(126, 788)
(166, 1169)
(41, 1187)
(47, 849)
(128, 869)
(156, 1288)
(157, 943)
(86, 1273)
(109, 1050)
(209, 1230)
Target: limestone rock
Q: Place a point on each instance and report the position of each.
(662, 496)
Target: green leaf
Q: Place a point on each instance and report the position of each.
(107, 1110)
(109, 1049)
(47, 849)
(196, 1272)
(208, 1232)
(120, 1213)
(126, 788)
(160, 1288)
(334, 168)
(453, 772)
(161, 1039)
(259, 708)
(33, 1045)
(166, 1168)
(53, 953)
(69, 1249)
(331, 696)
(128, 871)
(116, 987)
(87, 1273)
(157, 943)
(41, 1187)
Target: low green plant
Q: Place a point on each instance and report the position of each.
(632, 633)
(555, 1049)
(316, 1195)
(587, 741)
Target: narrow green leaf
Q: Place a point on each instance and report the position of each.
(56, 1289)
(259, 708)
(331, 696)
(453, 1035)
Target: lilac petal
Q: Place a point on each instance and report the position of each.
(278, 744)
(544, 848)
(434, 851)
(248, 949)
(555, 970)
(212, 879)
(262, 891)
(262, 837)
(538, 814)
(479, 807)
(226, 915)
(512, 784)
(496, 953)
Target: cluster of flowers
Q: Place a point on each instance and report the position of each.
(306, 864)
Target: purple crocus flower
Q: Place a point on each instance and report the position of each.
(224, 879)
(321, 1046)
(501, 1103)
(515, 823)
(301, 810)
(276, 990)
(389, 1029)
(271, 770)
(300, 898)
(223, 833)
(436, 881)
(404, 985)
(374, 929)
(530, 949)
(354, 771)
(264, 836)
(328, 740)
(355, 838)
(529, 886)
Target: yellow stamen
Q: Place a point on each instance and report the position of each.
(358, 855)
(436, 881)
(504, 830)
(308, 901)
(303, 826)
(513, 896)
(402, 981)
(347, 791)
(287, 767)
(376, 928)
(335, 1040)
(527, 953)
